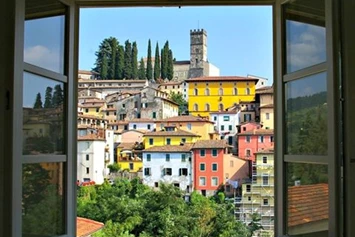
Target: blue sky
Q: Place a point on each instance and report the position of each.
(239, 38)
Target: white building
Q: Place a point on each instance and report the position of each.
(226, 123)
(142, 124)
(168, 164)
(95, 153)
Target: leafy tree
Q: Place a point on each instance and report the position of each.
(58, 96)
(48, 98)
(149, 71)
(112, 58)
(178, 98)
(141, 70)
(157, 62)
(38, 102)
(255, 225)
(170, 65)
(119, 62)
(114, 167)
(134, 61)
(127, 73)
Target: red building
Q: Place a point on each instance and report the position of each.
(208, 165)
(252, 139)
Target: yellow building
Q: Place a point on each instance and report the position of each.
(213, 94)
(170, 135)
(266, 95)
(129, 156)
(197, 125)
(258, 193)
(92, 107)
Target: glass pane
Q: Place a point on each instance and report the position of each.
(305, 34)
(43, 199)
(306, 115)
(307, 198)
(45, 34)
(43, 120)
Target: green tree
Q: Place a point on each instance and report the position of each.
(102, 59)
(255, 225)
(178, 98)
(157, 62)
(112, 58)
(149, 71)
(127, 73)
(134, 61)
(164, 60)
(58, 96)
(48, 98)
(120, 62)
(38, 102)
(170, 65)
(141, 70)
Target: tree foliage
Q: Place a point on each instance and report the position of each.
(131, 209)
(157, 62)
(58, 96)
(141, 70)
(119, 62)
(134, 61)
(149, 71)
(38, 102)
(178, 98)
(112, 57)
(128, 70)
(48, 98)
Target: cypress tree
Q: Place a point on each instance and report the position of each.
(112, 62)
(48, 98)
(162, 64)
(127, 72)
(157, 62)
(58, 96)
(102, 59)
(149, 71)
(170, 66)
(134, 61)
(38, 102)
(119, 62)
(164, 60)
(141, 70)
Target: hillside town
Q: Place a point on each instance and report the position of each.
(223, 141)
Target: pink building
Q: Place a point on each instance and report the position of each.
(254, 140)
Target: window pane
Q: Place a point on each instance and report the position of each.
(307, 199)
(43, 199)
(44, 35)
(306, 115)
(305, 34)
(43, 121)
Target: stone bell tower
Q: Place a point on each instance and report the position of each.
(198, 53)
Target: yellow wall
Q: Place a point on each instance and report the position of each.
(92, 111)
(199, 128)
(228, 97)
(267, 123)
(136, 165)
(161, 141)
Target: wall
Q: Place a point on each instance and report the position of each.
(213, 70)
(228, 99)
(141, 126)
(199, 128)
(254, 145)
(161, 140)
(158, 163)
(131, 137)
(208, 160)
(234, 168)
(267, 123)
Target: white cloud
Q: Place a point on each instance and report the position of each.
(42, 56)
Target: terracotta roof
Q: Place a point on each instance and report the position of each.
(267, 106)
(178, 132)
(307, 204)
(87, 72)
(126, 145)
(224, 112)
(221, 78)
(202, 144)
(118, 123)
(118, 131)
(94, 100)
(135, 130)
(90, 117)
(181, 62)
(168, 100)
(265, 90)
(90, 105)
(257, 132)
(86, 227)
(266, 151)
(111, 81)
(90, 137)
(141, 120)
(187, 118)
(170, 148)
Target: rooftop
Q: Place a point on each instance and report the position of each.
(86, 227)
(175, 133)
(221, 78)
(91, 137)
(257, 132)
(170, 148)
(265, 90)
(267, 106)
(205, 144)
(187, 118)
(307, 204)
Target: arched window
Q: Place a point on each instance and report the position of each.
(247, 91)
(235, 91)
(196, 91)
(207, 107)
(220, 91)
(221, 108)
(207, 91)
(195, 107)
